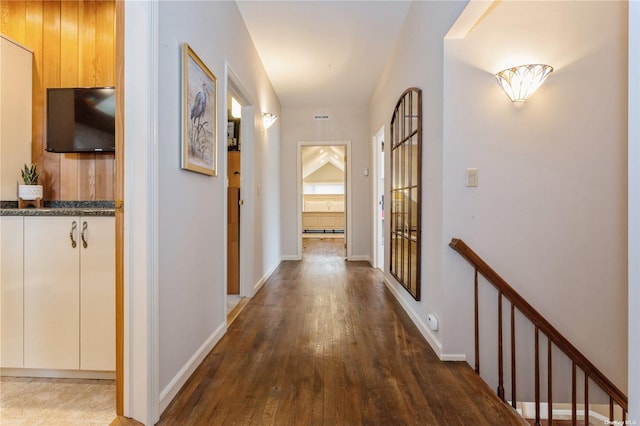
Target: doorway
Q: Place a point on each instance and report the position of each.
(323, 199)
(240, 198)
(234, 200)
(378, 214)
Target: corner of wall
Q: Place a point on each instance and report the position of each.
(171, 390)
(431, 338)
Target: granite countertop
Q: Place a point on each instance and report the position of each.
(60, 208)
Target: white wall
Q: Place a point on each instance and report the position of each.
(346, 124)
(265, 207)
(192, 207)
(417, 62)
(634, 210)
(549, 213)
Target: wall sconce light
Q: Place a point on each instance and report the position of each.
(268, 119)
(522, 81)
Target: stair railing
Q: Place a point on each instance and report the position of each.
(578, 360)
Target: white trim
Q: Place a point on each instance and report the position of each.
(361, 258)
(634, 211)
(528, 411)
(247, 197)
(234, 86)
(348, 210)
(60, 374)
(290, 257)
(431, 338)
(174, 386)
(453, 357)
(141, 351)
(377, 138)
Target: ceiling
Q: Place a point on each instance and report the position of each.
(315, 157)
(324, 53)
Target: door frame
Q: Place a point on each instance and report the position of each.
(234, 87)
(347, 210)
(138, 62)
(378, 231)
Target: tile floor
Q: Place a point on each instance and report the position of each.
(232, 301)
(52, 402)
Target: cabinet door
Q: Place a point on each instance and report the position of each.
(11, 292)
(98, 294)
(15, 115)
(51, 293)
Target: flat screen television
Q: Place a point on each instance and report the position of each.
(81, 119)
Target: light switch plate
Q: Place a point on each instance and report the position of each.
(472, 177)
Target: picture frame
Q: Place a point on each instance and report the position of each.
(199, 127)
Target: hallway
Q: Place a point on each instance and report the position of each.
(324, 342)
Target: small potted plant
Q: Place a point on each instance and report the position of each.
(30, 190)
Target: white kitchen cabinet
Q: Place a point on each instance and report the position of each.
(11, 292)
(51, 293)
(98, 295)
(69, 293)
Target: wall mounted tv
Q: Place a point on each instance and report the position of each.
(81, 119)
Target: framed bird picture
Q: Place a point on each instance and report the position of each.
(199, 136)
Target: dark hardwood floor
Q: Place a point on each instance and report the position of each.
(325, 343)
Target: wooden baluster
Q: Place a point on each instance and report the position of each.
(500, 355)
(477, 330)
(513, 356)
(549, 383)
(624, 417)
(610, 408)
(586, 398)
(574, 410)
(556, 339)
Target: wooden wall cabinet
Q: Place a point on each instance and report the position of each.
(69, 292)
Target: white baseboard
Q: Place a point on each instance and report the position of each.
(528, 411)
(290, 257)
(57, 374)
(257, 286)
(361, 258)
(453, 357)
(174, 386)
(433, 341)
(172, 389)
(428, 334)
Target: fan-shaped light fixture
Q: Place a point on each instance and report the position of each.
(522, 81)
(268, 119)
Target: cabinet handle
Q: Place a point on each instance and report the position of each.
(74, 226)
(84, 228)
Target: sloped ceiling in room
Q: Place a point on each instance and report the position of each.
(315, 157)
(326, 174)
(324, 53)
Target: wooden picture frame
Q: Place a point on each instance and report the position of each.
(199, 129)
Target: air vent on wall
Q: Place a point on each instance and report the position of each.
(321, 117)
